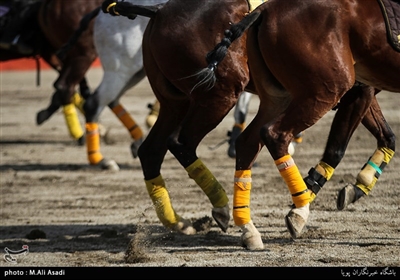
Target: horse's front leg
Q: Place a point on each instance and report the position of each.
(375, 122)
(92, 111)
(351, 110)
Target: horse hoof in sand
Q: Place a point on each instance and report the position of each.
(135, 147)
(108, 164)
(185, 227)
(296, 219)
(221, 216)
(348, 195)
(251, 237)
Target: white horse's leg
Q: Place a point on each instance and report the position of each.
(240, 113)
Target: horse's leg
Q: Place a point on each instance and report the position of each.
(151, 154)
(240, 112)
(65, 90)
(199, 121)
(375, 122)
(126, 119)
(70, 114)
(248, 146)
(352, 108)
(45, 114)
(92, 113)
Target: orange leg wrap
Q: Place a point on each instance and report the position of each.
(93, 143)
(241, 197)
(291, 174)
(128, 122)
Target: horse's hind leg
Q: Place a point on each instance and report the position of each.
(351, 109)
(375, 122)
(151, 154)
(183, 143)
(126, 119)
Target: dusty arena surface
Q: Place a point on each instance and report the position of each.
(72, 215)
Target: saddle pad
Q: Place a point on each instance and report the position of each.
(391, 14)
(255, 3)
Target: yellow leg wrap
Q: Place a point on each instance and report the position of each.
(93, 143)
(208, 183)
(72, 120)
(78, 101)
(161, 201)
(371, 171)
(128, 122)
(241, 197)
(291, 174)
(325, 170)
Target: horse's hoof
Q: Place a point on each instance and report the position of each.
(81, 141)
(349, 194)
(221, 216)
(108, 164)
(42, 116)
(135, 147)
(251, 237)
(296, 219)
(185, 227)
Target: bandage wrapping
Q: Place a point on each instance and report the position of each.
(241, 197)
(161, 201)
(326, 171)
(291, 174)
(93, 143)
(208, 183)
(128, 122)
(72, 120)
(78, 101)
(371, 171)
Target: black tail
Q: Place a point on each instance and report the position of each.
(129, 10)
(207, 75)
(83, 25)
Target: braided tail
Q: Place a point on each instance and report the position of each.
(207, 75)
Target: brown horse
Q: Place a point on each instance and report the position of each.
(187, 115)
(42, 48)
(58, 20)
(299, 82)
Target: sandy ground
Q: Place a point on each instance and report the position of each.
(71, 215)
